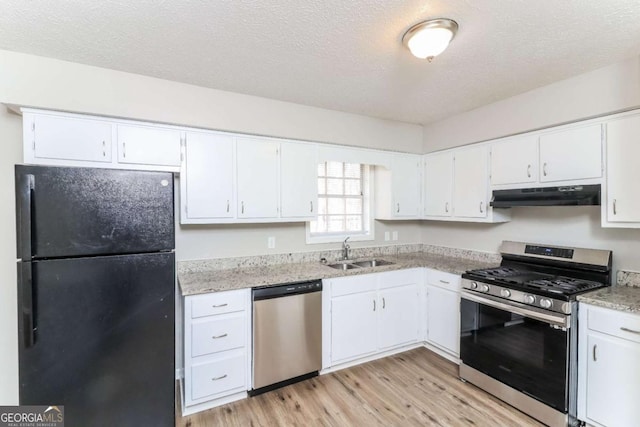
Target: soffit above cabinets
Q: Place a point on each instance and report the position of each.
(345, 56)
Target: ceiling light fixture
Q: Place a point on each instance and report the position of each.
(430, 38)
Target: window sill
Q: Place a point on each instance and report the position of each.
(338, 238)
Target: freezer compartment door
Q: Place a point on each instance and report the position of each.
(103, 339)
(67, 212)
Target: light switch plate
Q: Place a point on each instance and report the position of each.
(271, 242)
(387, 236)
(395, 235)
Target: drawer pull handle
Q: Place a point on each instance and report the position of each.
(446, 207)
(311, 204)
(622, 328)
(219, 305)
(481, 211)
(219, 378)
(528, 171)
(544, 169)
(595, 357)
(444, 281)
(215, 337)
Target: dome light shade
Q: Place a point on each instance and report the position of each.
(430, 38)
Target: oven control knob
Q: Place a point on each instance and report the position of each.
(529, 299)
(474, 285)
(506, 293)
(545, 303)
(484, 288)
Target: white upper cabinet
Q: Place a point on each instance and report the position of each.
(571, 154)
(298, 180)
(398, 189)
(148, 146)
(438, 184)
(206, 179)
(64, 138)
(621, 204)
(257, 178)
(515, 161)
(470, 183)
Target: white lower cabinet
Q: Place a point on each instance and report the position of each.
(443, 311)
(371, 313)
(609, 368)
(217, 348)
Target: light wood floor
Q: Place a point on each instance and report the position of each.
(415, 388)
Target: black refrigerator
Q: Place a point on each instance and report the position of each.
(96, 294)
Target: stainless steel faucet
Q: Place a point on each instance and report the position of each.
(345, 249)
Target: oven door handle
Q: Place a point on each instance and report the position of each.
(518, 308)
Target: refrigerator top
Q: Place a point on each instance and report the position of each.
(73, 212)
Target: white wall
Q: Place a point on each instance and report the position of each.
(47, 83)
(609, 89)
(612, 88)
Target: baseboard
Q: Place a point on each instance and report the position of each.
(370, 358)
(443, 353)
(199, 407)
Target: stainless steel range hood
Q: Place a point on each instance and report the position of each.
(547, 196)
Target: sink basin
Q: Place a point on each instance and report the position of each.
(343, 266)
(372, 263)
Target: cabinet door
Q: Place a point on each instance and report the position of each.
(571, 154)
(148, 146)
(613, 386)
(443, 319)
(353, 326)
(298, 180)
(438, 184)
(398, 316)
(470, 183)
(257, 169)
(66, 138)
(405, 177)
(207, 177)
(514, 161)
(623, 173)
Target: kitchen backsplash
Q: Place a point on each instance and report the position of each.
(331, 256)
(628, 278)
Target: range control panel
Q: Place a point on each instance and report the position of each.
(549, 251)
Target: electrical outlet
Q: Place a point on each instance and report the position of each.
(271, 242)
(395, 235)
(387, 236)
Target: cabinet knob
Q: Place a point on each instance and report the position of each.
(384, 304)
(446, 207)
(528, 171)
(374, 305)
(398, 207)
(227, 206)
(615, 210)
(595, 356)
(241, 207)
(311, 204)
(544, 169)
(481, 210)
(124, 150)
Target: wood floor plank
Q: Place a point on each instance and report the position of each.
(415, 388)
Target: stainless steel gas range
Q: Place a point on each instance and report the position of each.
(518, 322)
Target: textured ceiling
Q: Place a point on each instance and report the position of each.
(336, 54)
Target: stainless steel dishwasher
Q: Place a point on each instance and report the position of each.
(287, 334)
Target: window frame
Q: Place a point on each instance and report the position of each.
(367, 220)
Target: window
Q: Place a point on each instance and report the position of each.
(343, 203)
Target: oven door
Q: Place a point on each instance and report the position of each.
(520, 346)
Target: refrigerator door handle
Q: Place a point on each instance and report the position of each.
(27, 314)
(24, 191)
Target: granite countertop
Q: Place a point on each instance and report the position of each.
(199, 282)
(619, 297)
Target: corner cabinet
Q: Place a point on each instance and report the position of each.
(369, 314)
(64, 139)
(621, 204)
(609, 372)
(217, 349)
(398, 189)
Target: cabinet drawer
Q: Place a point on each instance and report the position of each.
(218, 335)
(353, 285)
(218, 377)
(392, 279)
(443, 280)
(217, 303)
(614, 323)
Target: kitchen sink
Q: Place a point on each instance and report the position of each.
(372, 263)
(343, 266)
(349, 265)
